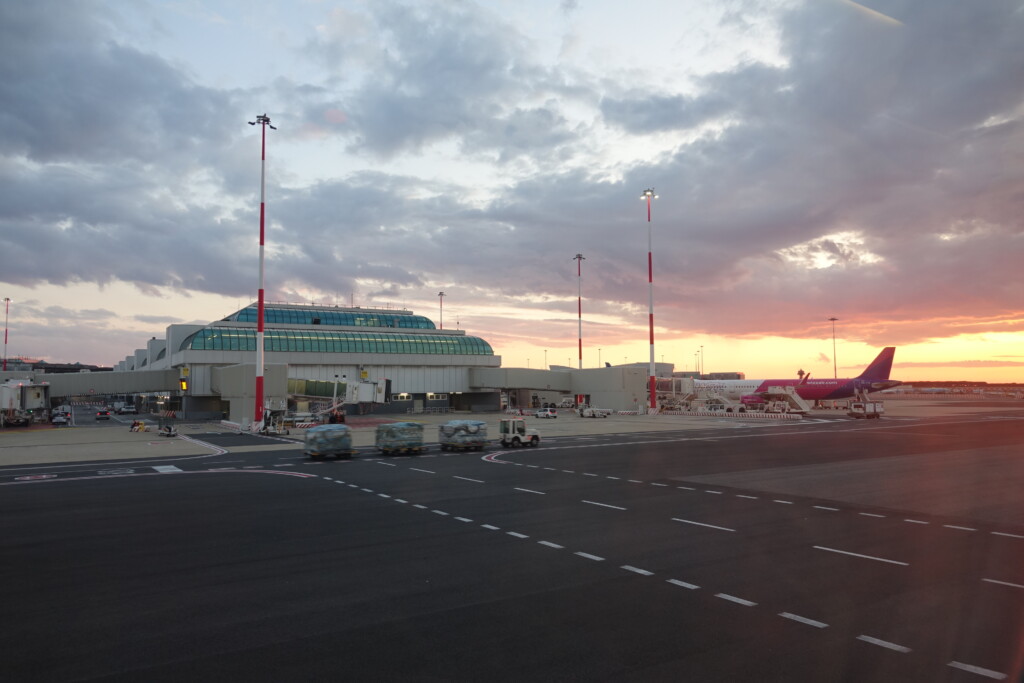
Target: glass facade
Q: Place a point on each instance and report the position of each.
(302, 316)
(327, 341)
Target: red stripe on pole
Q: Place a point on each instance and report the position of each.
(651, 327)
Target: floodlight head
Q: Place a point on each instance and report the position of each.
(648, 194)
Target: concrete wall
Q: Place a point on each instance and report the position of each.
(237, 384)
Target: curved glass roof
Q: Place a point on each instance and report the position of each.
(313, 316)
(329, 341)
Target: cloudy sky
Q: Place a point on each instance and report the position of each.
(814, 159)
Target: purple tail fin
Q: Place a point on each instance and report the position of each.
(881, 366)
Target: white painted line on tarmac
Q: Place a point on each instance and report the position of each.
(636, 570)
(401, 500)
(1003, 533)
(440, 512)
(478, 481)
(1004, 583)
(569, 471)
(803, 620)
(285, 464)
(389, 464)
(516, 534)
(822, 507)
(961, 528)
(869, 514)
(740, 495)
(884, 643)
(353, 486)
(166, 468)
(717, 493)
(612, 478)
(683, 584)
(367, 490)
(687, 488)
(463, 519)
(383, 495)
(634, 481)
(784, 502)
(654, 483)
(733, 598)
(915, 521)
(539, 493)
(491, 527)
(419, 470)
(589, 474)
(970, 668)
(595, 558)
(551, 545)
(866, 557)
(604, 505)
(421, 507)
(710, 526)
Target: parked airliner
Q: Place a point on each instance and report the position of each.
(874, 378)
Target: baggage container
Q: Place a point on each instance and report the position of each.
(327, 440)
(462, 435)
(400, 437)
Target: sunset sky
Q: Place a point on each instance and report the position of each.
(813, 159)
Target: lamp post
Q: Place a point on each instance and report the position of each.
(263, 120)
(7, 310)
(835, 372)
(545, 359)
(440, 300)
(701, 360)
(599, 359)
(579, 259)
(652, 387)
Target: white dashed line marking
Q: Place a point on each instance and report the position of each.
(463, 519)
(717, 493)
(636, 570)
(683, 584)
(686, 488)
(869, 514)
(615, 478)
(866, 557)
(383, 495)
(1004, 583)
(989, 673)
(589, 474)
(733, 598)
(710, 526)
(569, 471)
(389, 464)
(551, 545)
(419, 470)
(604, 505)
(634, 481)
(740, 495)
(1003, 533)
(595, 558)
(491, 527)
(784, 502)
(803, 620)
(440, 512)
(401, 500)
(516, 534)
(353, 486)
(915, 521)
(822, 507)
(961, 528)
(654, 483)
(367, 490)
(539, 493)
(421, 507)
(478, 481)
(884, 643)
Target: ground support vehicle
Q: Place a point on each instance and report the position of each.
(327, 440)
(514, 433)
(866, 409)
(546, 412)
(399, 437)
(462, 435)
(590, 411)
(22, 402)
(567, 402)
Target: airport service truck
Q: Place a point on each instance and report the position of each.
(21, 401)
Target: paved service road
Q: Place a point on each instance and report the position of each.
(826, 551)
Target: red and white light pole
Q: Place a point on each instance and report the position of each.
(7, 310)
(440, 303)
(264, 121)
(653, 385)
(579, 259)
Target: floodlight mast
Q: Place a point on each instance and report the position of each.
(7, 310)
(263, 120)
(648, 194)
(440, 304)
(579, 259)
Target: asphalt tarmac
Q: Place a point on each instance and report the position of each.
(829, 549)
